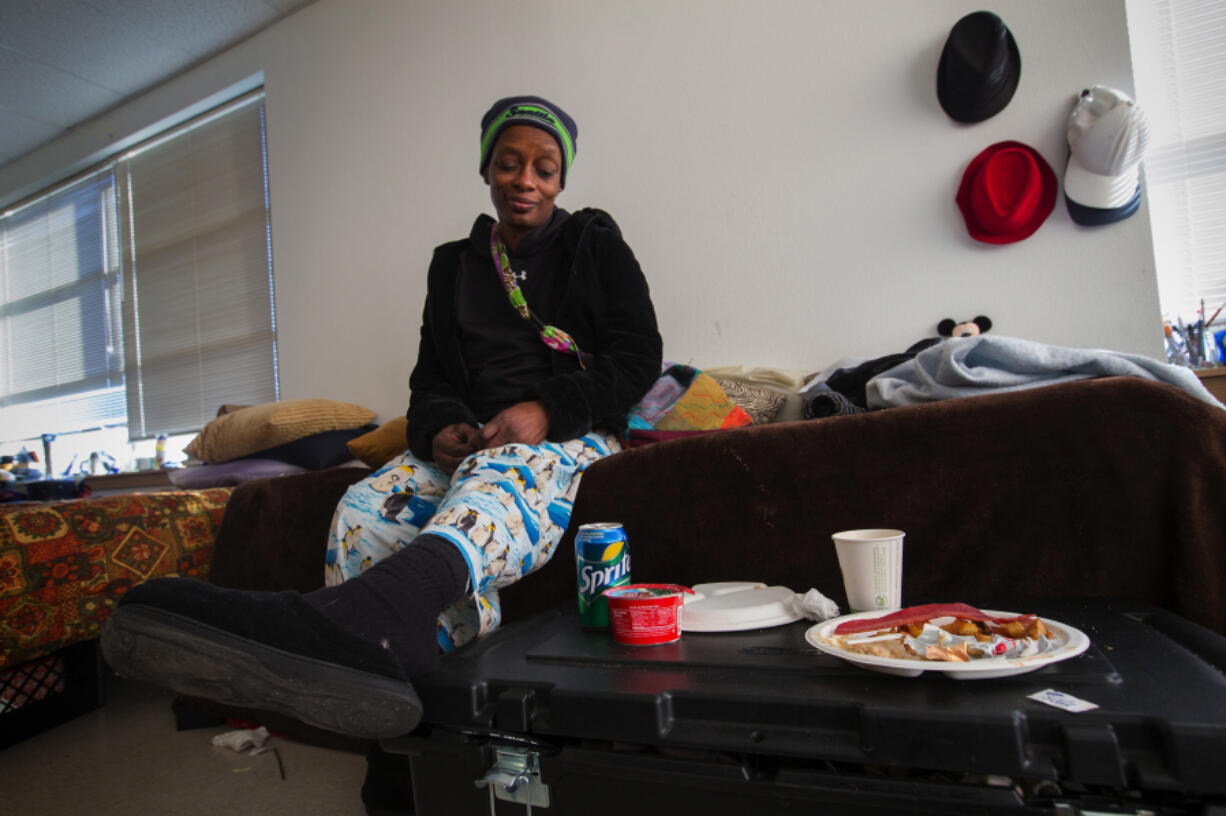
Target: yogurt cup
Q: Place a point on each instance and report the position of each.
(646, 614)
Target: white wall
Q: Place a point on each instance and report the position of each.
(782, 169)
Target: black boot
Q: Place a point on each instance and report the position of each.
(396, 602)
(259, 650)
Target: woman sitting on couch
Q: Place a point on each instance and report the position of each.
(538, 336)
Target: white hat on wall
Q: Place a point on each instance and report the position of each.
(1107, 136)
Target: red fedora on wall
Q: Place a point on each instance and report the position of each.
(1007, 192)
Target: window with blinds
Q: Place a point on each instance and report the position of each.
(140, 294)
(61, 346)
(1179, 63)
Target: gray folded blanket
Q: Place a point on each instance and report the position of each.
(989, 363)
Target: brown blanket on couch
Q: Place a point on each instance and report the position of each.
(1101, 488)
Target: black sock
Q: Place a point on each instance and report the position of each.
(396, 602)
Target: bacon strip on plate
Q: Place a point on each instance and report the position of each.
(918, 614)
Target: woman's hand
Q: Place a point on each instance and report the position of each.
(526, 422)
(452, 444)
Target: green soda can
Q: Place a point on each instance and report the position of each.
(602, 561)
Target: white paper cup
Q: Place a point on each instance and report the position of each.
(871, 562)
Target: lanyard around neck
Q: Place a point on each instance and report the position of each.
(552, 336)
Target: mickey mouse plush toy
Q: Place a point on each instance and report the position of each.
(969, 328)
(949, 328)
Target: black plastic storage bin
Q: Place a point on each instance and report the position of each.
(50, 690)
(549, 715)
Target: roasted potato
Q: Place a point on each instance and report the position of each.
(1012, 629)
(962, 627)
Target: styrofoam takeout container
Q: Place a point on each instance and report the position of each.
(733, 606)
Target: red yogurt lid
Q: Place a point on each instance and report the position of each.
(631, 591)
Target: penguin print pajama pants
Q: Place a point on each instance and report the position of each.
(505, 509)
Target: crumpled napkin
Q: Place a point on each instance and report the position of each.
(816, 606)
(242, 739)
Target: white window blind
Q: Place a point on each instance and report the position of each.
(61, 353)
(1179, 62)
(198, 290)
(141, 293)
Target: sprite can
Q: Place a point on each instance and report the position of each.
(602, 561)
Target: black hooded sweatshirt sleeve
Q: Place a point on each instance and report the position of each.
(604, 303)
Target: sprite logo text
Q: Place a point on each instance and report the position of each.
(594, 577)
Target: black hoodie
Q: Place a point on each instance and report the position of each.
(504, 352)
(596, 292)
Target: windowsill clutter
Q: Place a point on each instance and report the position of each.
(1196, 344)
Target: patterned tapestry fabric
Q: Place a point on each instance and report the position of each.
(63, 565)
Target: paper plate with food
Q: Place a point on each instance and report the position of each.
(954, 638)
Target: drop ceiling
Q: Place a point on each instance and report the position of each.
(64, 62)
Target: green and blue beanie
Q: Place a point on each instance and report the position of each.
(534, 111)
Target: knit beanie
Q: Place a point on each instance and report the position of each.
(534, 111)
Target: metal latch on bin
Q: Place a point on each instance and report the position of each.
(516, 777)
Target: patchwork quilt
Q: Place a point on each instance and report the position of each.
(686, 399)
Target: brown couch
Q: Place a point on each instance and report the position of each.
(1104, 488)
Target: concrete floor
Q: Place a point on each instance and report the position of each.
(127, 759)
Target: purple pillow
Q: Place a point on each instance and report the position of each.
(229, 474)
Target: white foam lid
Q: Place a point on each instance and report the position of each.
(731, 606)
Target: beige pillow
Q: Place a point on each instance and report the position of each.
(376, 448)
(259, 427)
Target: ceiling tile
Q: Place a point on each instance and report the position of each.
(63, 62)
(20, 134)
(48, 94)
(197, 29)
(79, 39)
(286, 6)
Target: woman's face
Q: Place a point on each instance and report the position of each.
(525, 176)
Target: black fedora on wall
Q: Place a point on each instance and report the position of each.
(979, 68)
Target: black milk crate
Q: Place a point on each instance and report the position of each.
(47, 691)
